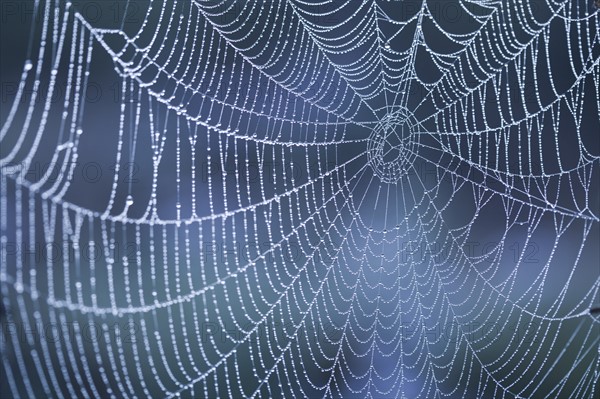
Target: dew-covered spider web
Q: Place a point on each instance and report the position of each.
(287, 198)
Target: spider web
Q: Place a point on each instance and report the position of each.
(328, 199)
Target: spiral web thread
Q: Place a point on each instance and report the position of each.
(339, 263)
